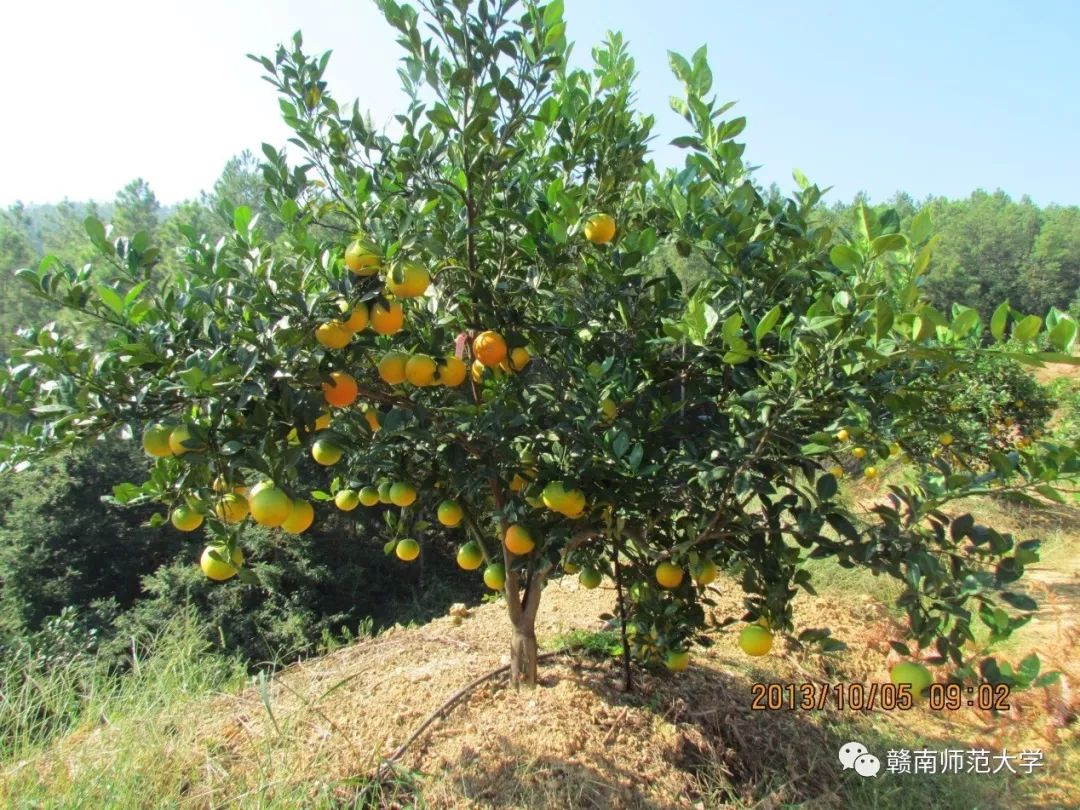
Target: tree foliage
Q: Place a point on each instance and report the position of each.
(691, 420)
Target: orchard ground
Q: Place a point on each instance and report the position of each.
(317, 731)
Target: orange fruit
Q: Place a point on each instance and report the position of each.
(333, 335)
(609, 409)
(358, 318)
(300, 518)
(361, 258)
(859, 452)
(219, 570)
(477, 371)
(452, 372)
(677, 660)
(270, 506)
(231, 508)
(347, 499)
(186, 519)
(155, 440)
(842, 435)
(372, 417)
(755, 640)
(326, 452)
(408, 280)
(704, 572)
(341, 391)
(669, 575)
(600, 229)
(369, 496)
(420, 370)
(181, 441)
(469, 556)
(388, 318)
(590, 578)
(914, 675)
(519, 358)
(407, 550)
(392, 367)
(402, 493)
(450, 513)
(495, 576)
(518, 540)
(489, 348)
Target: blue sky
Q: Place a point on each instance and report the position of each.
(932, 98)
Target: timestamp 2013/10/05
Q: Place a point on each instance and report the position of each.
(883, 696)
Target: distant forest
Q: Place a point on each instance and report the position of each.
(992, 247)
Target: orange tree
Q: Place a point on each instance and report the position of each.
(469, 323)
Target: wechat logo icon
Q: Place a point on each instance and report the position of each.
(854, 755)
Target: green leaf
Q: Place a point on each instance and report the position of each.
(845, 258)
(1028, 328)
(999, 320)
(680, 67)
(700, 320)
(826, 486)
(800, 179)
(887, 244)
(734, 358)
(884, 318)
(921, 227)
(110, 298)
(766, 324)
(1028, 669)
(965, 322)
(1063, 334)
(95, 230)
(242, 219)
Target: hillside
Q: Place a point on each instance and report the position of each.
(315, 733)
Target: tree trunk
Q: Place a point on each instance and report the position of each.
(523, 655)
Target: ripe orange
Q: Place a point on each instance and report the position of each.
(450, 513)
(489, 348)
(469, 556)
(452, 372)
(870, 472)
(181, 441)
(300, 518)
(186, 519)
(408, 280)
(333, 335)
(755, 640)
(372, 417)
(231, 508)
(842, 435)
(402, 493)
(341, 391)
(859, 452)
(517, 483)
(677, 660)
(518, 540)
(946, 439)
(407, 550)
(271, 506)
(346, 499)
(704, 572)
(155, 439)
(600, 229)
(519, 358)
(326, 452)
(669, 575)
(358, 318)
(388, 318)
(420, 370)
(361, 258)
(392, 367)
(219, 570)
